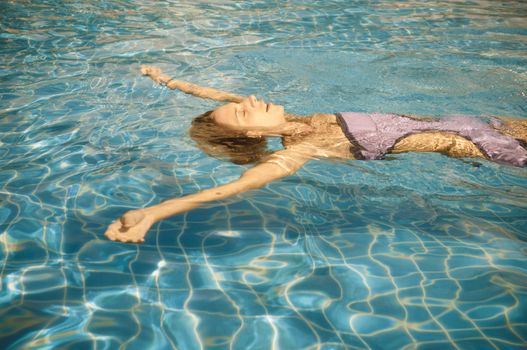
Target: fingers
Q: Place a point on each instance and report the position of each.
(131, 240)
(116, 232)
(145, 69)
(151, 71)
(111, 231)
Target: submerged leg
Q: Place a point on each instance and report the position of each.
(204, 92)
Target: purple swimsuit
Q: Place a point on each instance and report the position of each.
(377, 133)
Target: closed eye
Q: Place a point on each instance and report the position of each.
(240, 113)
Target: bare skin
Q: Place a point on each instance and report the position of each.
(322, 137)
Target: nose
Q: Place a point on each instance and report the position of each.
(253, 102)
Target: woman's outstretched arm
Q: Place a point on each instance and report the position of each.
(133, 225)
(204, 92)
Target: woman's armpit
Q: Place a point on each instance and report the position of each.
(291, 159)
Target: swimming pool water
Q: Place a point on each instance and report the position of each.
(418, 251)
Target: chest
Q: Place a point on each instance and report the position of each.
(327, 139)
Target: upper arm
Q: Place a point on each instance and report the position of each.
(279, 164)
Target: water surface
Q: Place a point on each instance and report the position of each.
(419, 251)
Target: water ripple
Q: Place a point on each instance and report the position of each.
(419, 251)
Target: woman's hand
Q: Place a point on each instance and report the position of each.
(131, 227)
(155, 74)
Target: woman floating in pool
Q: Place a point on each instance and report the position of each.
(238, 130)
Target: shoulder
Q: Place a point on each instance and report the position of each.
(323, 119)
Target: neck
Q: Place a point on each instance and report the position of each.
(292, 128)
(289, 128)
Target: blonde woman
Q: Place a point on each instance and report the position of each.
(238, 130)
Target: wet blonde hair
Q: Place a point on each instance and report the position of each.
(223, 143)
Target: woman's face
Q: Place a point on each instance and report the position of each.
(250, 114)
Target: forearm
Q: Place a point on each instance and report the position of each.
(253, 178)
(203, 92)
(180, 205)
(189, 88)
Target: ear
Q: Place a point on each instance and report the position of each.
(253, 133)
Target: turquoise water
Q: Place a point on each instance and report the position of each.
(419, 251)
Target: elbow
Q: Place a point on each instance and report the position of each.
(253, 185)
(290, 171)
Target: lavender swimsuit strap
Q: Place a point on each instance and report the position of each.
(377, 133)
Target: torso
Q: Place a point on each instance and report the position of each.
(327, 140)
